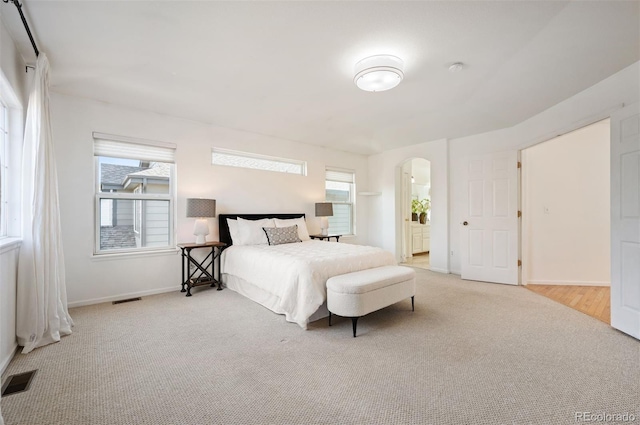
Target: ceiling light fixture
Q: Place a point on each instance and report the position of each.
(379, 73)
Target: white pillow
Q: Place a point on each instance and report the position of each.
(303, 233)
(234, 232)
(251, 232)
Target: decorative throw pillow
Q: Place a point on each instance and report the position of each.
(280, 235)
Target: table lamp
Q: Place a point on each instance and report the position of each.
(201, 209)
(324, 210)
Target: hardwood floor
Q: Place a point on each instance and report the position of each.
(592, 300)
(418, 260)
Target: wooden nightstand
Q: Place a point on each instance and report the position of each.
(325, 237)
(203, 277)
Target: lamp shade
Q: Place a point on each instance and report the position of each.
(197, 207)
(324, 209)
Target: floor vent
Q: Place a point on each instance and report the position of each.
(127, 300)
(17, 383)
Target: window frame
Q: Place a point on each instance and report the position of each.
(142, 196)
(4, 170)
(352, 196)
(137, 213)
(12, 165)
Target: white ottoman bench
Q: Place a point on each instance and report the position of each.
(359, 293)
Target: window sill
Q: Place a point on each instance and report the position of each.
(9, 244)
(133, 254)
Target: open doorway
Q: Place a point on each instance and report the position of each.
(416, 201)
(566, 219)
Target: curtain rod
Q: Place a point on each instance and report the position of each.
(24, 22)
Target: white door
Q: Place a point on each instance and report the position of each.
(406, 216)
(489, 226)
(625, 220)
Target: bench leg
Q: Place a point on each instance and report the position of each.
(412, 309)
(354, 322)
(329, 318)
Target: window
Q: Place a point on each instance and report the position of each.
(257, 162)
(11, 128)
(340, 191)
(134, 194)
(4, 166)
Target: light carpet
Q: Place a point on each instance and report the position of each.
(471, 353)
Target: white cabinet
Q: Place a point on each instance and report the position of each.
(416, 237)
(420, 238)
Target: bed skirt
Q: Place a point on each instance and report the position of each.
(266, 299)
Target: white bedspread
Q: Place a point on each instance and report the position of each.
(297, 273)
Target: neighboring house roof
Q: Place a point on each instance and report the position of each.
(157, 170)
(113, 174)
(117, 177)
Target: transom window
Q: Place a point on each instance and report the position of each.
(134, 194)
(340, 191)
(257, 162)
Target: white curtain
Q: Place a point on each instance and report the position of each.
(42, 316)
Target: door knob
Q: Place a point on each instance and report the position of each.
(464, 223)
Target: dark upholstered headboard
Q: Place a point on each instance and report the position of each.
(223, 227)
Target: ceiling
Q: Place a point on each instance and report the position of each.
(285, 69)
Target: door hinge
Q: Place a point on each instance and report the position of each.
(519, 164)
(519, 213)
(519, 263)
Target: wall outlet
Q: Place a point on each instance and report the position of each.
(452, 253)
(546, 210)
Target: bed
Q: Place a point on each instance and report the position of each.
(290, 278)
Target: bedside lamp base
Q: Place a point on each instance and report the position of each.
(324, 226)
(201, 230)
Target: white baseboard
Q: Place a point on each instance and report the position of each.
(5, 362)
(568, 282)
(123, 296)
(435, 269)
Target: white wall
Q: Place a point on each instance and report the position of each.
(12, 67)
(565, 227)
(93, 279)
(8, 273)
(386, 217)
(586, 107)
